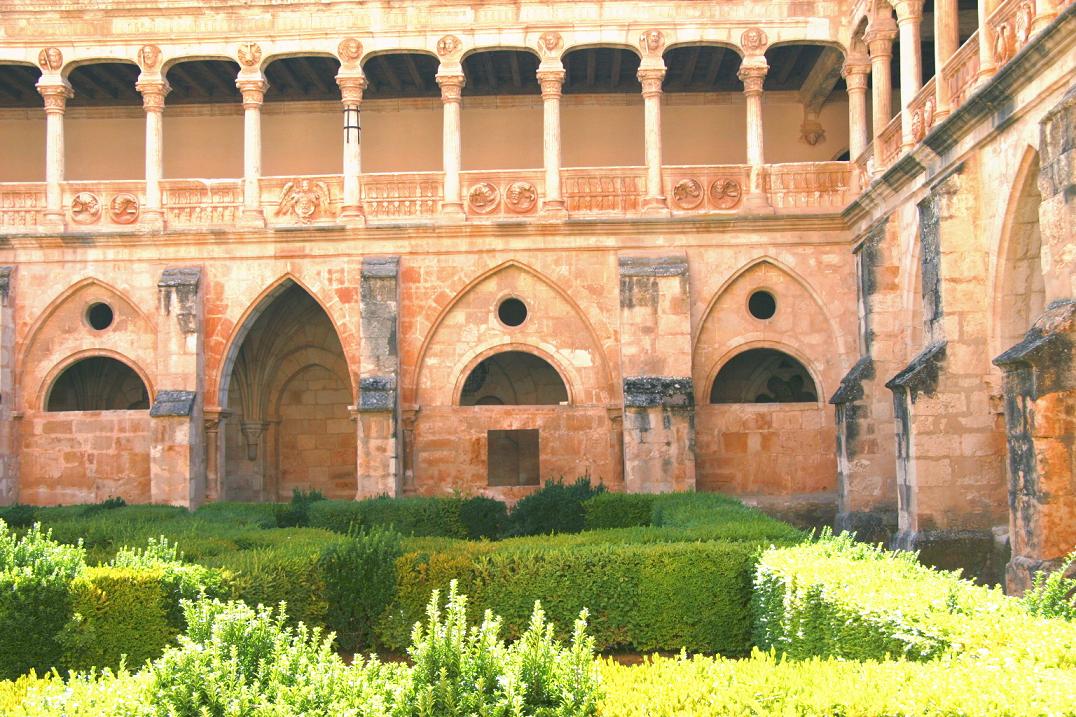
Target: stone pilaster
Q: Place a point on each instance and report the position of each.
(1040, 373)
(866, 478)
(9, 475)
(177, 449)
(378, 409)
(655, 359)
(950, 444)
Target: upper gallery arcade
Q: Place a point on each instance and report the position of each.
(815, 254)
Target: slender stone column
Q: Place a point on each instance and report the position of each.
(253, 88)
(9, 474)
(909, 17)
(56, 94)
(651, 78)
(451, 92)
(153, 93)
(986, 42)
(855, 77)
(551, 79)
(946, 43)
(753, 75)
(880, 42)
(351, 88)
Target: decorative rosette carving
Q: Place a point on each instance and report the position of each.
(725, 193)
(85, 208)
(124, 208)
(483, 197)
(250, 54)
(520, 197)
(688, 193)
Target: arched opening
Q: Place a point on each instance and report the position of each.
(514, 378)
(203, 144)
(22, 137)
(1023, 294)
(98, 383)
(763, 376)
(408, 134)
(807, 116)
(112, 147)
(702, 91)
(605, 131)
(307, 141)
(503, 134)
(288, 424)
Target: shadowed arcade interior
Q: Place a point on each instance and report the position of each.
(98, 383)
(514, 378)
(763, 376)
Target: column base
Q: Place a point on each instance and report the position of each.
(53, 220)
(152, 219)
(252, 219)
(656, 206)
(756, 203)
(978, 553)
(553, 209)
(452, 212)
(352, 216)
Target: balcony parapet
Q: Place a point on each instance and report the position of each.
(410, 197)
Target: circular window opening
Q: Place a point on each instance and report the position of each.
(762, 305)
(512, 312)
(99, 316)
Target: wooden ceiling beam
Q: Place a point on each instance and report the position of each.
(490, 70)
(193, 87)
(790, 65)
(615, 70)
(513, 65)
(715, 67)
(310, 73)
(689, 67)
(390, 74)
(291, 82)
(416, 76)
(592, 67)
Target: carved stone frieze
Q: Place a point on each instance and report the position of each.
(652, 43)
(50, 59)
(85, 208)
(483, 197)
(725, 193)
(149, 57)
(521, 197)
(306, 200)
(349, 51)
(688, 194)
(124, 208)
(550, 44)
(754, 41)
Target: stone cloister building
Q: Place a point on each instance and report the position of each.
(816, 254)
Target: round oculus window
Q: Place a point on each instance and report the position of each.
(762, 305)
(512, 312)
(99, 316)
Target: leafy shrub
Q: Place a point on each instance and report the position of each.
(555, 508)
(92, 694)
(483, 518)
(765, 685)
(18, 515)
(35, 598)
(617, 510)
(297, 513)
(421, 516)
(836, 597)
(461, 670)
(254, 515)
(1053, 594)
(104, 505)
(236, 660)
(360, 583)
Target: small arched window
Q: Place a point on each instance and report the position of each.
(763, 376)
(514, 378)
(98, 383)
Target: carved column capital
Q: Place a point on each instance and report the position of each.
(253, 90)
(855, 75)
(651, 78)
(908, 10)
(55, 96)
(451, 86)
(879, 39)
(752, 77)
(551, 82)
(153, 92)
(351, 88)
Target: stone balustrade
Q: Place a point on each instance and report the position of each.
(488, 196)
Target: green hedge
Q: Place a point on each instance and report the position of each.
(617, 510)
(419, 516)
(838, 598)
(765, 685)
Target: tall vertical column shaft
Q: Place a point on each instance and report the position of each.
(55, 95)
(253, 89)
(351, 89)
(855, 77)
(153, 93)
(452, 147)
(551, 80)
(753, 74)
(651, 79)
(880, 43)
(909, 17)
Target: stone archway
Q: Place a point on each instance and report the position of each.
(288, 424)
